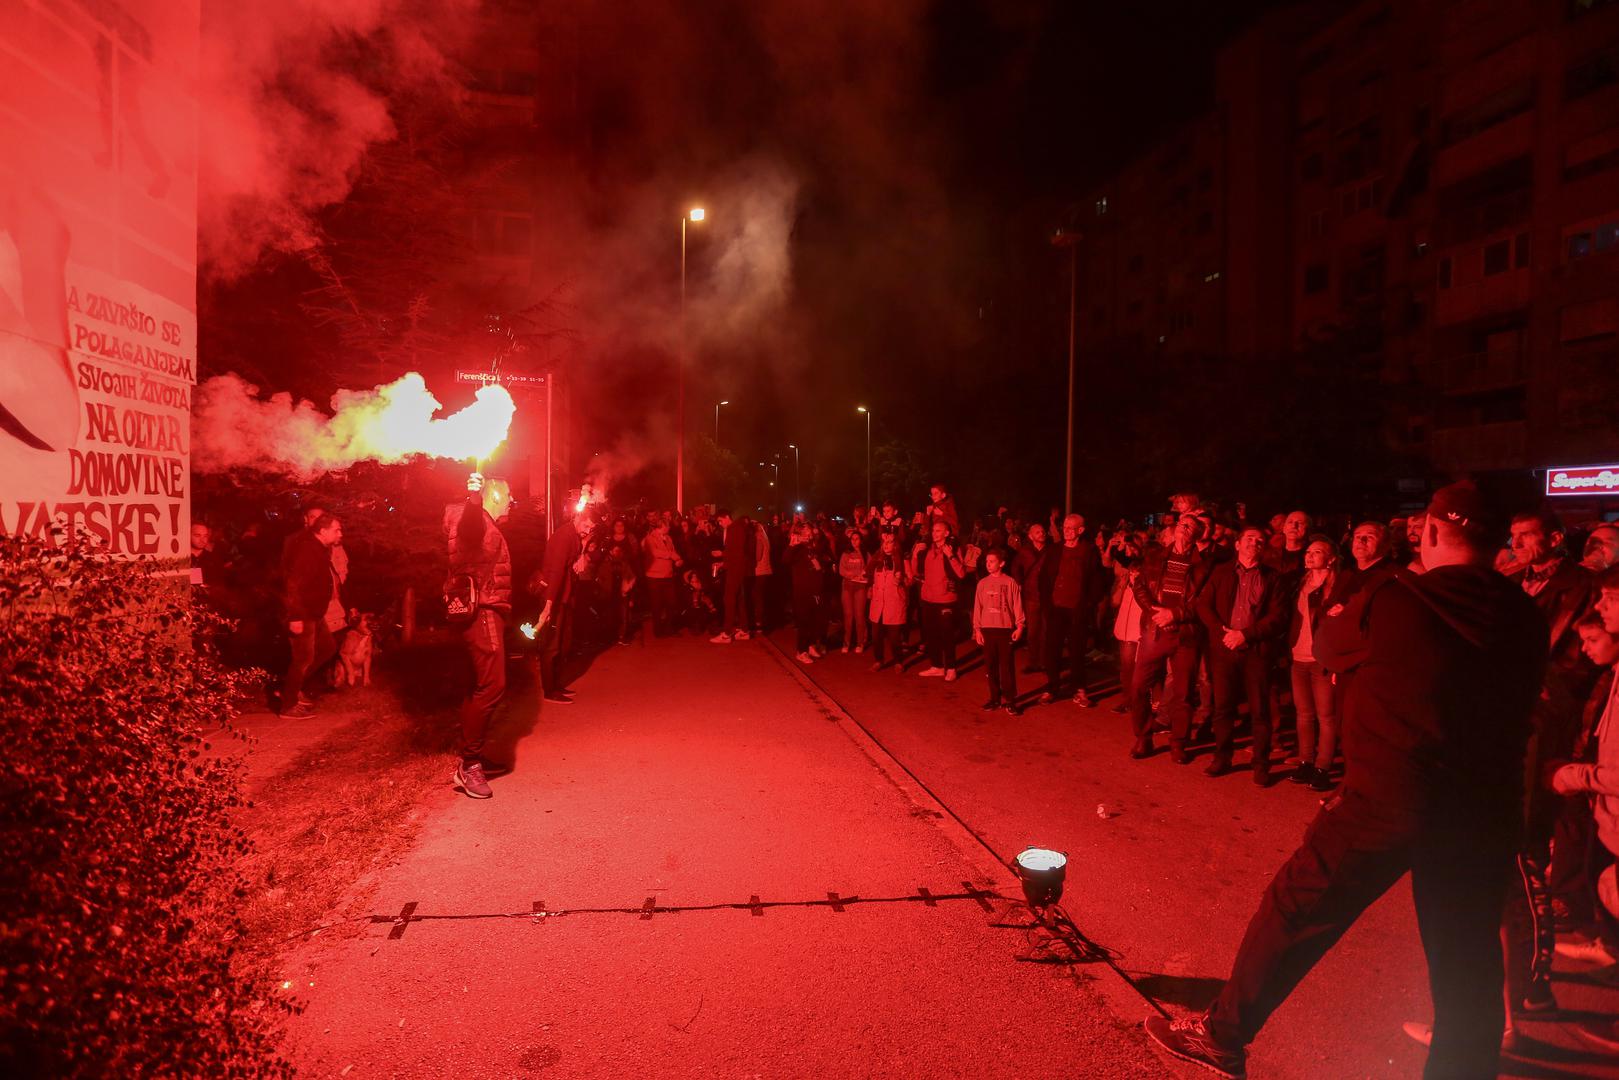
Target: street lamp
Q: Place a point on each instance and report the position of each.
(863, 409)
(717, 421)
(1065, 238)
(696, 214)
(796, 495)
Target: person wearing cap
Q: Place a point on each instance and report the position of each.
(1436, 723)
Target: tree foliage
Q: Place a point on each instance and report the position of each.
(119, 883)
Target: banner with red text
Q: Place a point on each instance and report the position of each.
(98, 228)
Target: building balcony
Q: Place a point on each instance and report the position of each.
(1481, 447)
(1507, 291)
(1476, 153)
(1474, 373)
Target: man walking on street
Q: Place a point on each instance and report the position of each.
(310, 584)
(1435, 729)
(478, 551)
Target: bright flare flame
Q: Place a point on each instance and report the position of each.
(528, 630)
(399, 422)
(232, 427)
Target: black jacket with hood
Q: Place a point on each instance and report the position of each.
(1447, 666)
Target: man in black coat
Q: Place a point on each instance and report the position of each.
(1167, 590)
(739, 557)
(309, 584)
(1071, 585)
(560, 571)
(1244, 610)
(1435, 728)
(477, 550)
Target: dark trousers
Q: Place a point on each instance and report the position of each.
(485, 639)
(887, 642)
(1067, 629)
(998, 662)
(1354, 850)
(759, 599)
(1527, 929)
(1238, 676)
(1127, 666)
(1159, 651)
(736, 613)
(809, 618)
(310, 650)
(1034, 633)
(660, 593)
(1567, 878)
(555, 641)
(939, 633)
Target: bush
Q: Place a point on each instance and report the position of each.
(118, 855)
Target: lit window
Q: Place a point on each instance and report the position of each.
(1101, 206)
(1211, 276)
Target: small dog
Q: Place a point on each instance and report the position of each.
(359, 648)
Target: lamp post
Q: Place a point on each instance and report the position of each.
(863, 409)
(796, 486)
(696, 214)
(717, 422)
(1065, 238)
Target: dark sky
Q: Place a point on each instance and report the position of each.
(933, 166)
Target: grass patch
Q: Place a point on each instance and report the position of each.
(342, 810)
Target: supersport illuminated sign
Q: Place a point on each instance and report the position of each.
(1583, 480)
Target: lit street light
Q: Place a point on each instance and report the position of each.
(717, 421)
(796, 495)
(696, 214)
(863, 409)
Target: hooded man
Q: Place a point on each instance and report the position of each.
(1435, 730)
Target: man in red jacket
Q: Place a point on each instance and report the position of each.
(1435, 729)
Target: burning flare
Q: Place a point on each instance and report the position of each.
(234, 428)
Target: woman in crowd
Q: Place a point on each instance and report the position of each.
(889, 578)
(1315, 700)
(855, 592)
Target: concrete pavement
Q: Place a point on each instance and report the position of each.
(1169, 875)
(657, 820)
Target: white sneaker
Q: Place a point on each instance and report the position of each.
(931, 672)
(858, 649)
(1588, 952)
(742, 635)
(721, 638)
(845, 649)
(805, 658)
(950, 676)
(816, 651)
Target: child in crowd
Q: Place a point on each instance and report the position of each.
(997, 623)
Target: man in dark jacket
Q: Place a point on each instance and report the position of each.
(1562, 590)
(309, 584)
(560, 571)
(1073, 583)
(738, 556)
(1028, 568)
(1435, 728)
(478, 550)
(1167, 589)
(1244, 609)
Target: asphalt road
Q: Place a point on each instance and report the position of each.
(734, 883)
(1167, 866)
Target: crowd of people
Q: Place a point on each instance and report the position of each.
(1381, 659)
